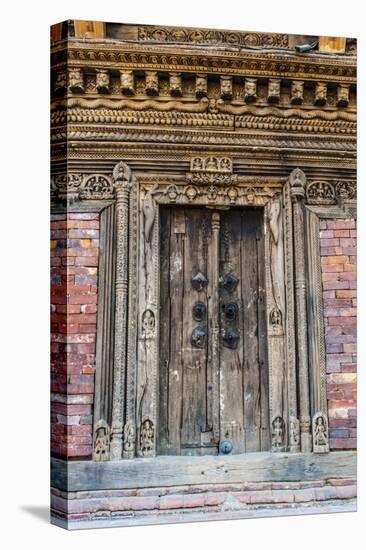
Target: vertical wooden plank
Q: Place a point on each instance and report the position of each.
(252, 411)
(175, 367)
(231, 360)
(164, 347)
(194, 358)
(265, 440)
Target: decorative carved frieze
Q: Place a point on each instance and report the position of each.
(320, 433)
(211, 170)
(241, 62)
(204, 36)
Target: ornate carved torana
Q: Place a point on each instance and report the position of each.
(212, 127)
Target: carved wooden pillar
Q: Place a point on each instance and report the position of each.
(293, 423)
(297, 190)
(122, 183)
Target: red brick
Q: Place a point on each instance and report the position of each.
(343, 443)
(341, 233)
(86, 260)
(84, 216)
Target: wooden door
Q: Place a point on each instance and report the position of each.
(213, 375)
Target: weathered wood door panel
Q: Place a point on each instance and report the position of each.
(213, 375)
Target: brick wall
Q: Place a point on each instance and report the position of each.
(189, 502)
(338, 261)
(74, 264)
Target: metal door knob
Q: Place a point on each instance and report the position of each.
(226, 447)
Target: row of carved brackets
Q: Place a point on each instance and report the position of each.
(213, 175)
(73, 80)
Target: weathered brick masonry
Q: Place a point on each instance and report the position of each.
(210, 499)
(338, 240)
(74, 265)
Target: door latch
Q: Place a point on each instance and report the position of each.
(198, 337)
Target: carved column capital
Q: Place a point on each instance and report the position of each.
(122, 175)
(297, 181)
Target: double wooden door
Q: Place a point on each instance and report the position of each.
(213, 375)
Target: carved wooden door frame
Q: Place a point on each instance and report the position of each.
(126, 392)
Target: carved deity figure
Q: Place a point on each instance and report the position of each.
(225, 164)
(250, 89)
(226, 83)
(320, 93)
(320, 192)
(101, 444)
(201, 85)
(294, 433)
(197, 163)
(147, 436)
(297, 92)
(172, 193)
(76, 80)
(277, 432)
(148, 323)
(211, 163)
(129, 437)
(276, 317)
(127, 82)
(151, 83)
(103, 81)
(320, 434)
(343, 95)
(175, 84)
